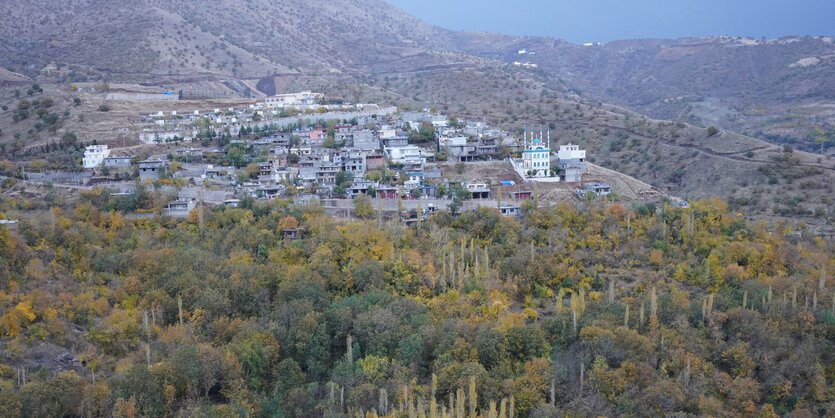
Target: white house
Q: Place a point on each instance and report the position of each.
(304, 98)
(455, 141)
(571, 152)
(387, 132)
(408, 154)
(536, 159)
(415, 180)
(94, 155)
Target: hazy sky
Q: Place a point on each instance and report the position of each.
(605, 20)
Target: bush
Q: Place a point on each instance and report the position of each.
(104, 108)
(712, 131)
(69, 138)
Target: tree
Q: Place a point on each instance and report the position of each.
(104, 108)
(96, 401)
(526, 343)
(69, 139)
(256, 352)
(344, 178)
(56, 397)
(10, 405)
(712, 131)
(288, 223)
(76, 101)
(252, 170)
(454, 206)
(14, 320)
(289, 376)
(424, 133)
(363, 208)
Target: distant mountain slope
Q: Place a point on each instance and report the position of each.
(147, 39)
(776, 89)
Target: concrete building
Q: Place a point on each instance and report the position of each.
(190, 154)
(571, 152)
(510, 210)
(326, 173)
(354, 162)
(571, 163)
(598, 188)
(117, 162)
(365, 140)
(572, 172)
(387, 132)
(179, 208)
(94, 155)
(478, 190)
(305, 98)
(521, 195)
(415, 180)
(403, 154)
(360, 186)
(151, 169)
(375, 161)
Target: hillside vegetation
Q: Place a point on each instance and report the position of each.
(587, 310)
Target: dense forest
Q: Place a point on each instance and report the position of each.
(574, 310)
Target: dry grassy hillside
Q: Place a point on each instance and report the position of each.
(157, 40)
(684, 160)
(781, 90)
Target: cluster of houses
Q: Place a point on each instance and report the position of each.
(275, 112)
(363, 152)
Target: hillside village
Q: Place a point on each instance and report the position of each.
(307, 148)
(332, 209)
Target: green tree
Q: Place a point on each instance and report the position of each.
(10, 405)
(363, 208)
(526, 343)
